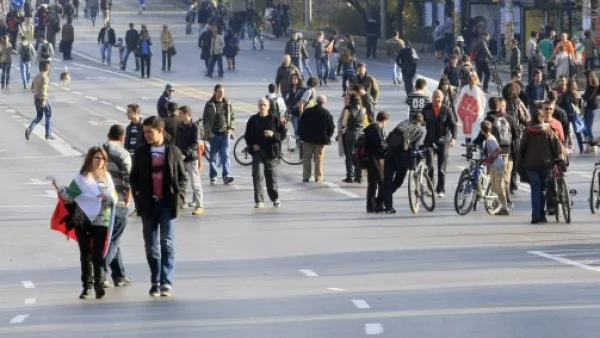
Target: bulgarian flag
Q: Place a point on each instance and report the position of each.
(85, 191)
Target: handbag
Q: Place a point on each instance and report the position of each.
(171, 51)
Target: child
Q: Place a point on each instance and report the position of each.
(121, 46)
(496, 165)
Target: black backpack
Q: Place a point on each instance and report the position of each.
(273, 106)
(45, 52)
(25, 53)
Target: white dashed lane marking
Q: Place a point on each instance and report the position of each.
(373, 329)
(18, 319)
(27, 284)
(336, 289)
(360, 304)
(30, 301)
(308, 273)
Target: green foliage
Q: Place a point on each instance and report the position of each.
(348, 20)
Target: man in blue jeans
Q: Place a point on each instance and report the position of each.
(158, 184)
(39, 88)
(219, 125)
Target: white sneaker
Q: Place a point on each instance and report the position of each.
(441, 194)
(276, 204)
(258, 205)
(213, 181)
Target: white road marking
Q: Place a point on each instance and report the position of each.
(18, 319)
(308, 273)
(27, 284)
(30, 301)
(336, 289)
(76, 92)
(106, 103)
(360, 304)
(339, 189)
(372, 329)
(16, 116)
(37, 181)
(93, 123)
(91, 98)
(3, 150)
(10, 110)
(58, 143)
(55, 84)
(525, 187)
(121, 108)
(48, 193)
(564, 261)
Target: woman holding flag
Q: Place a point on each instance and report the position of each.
(93, 193)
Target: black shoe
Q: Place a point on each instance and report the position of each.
(389, 210)
(50, 137)
(86, 293)
(358, 180)
(325, 81)
(543, 220)
(27, 134)
(100, 292)
(347, 180)
(306, 180)
(535, 221)
(370, 210)
(228, 180)
(154, 291)
(166, 290)
(122, 281)
(551, 212)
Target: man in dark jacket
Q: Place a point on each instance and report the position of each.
(187, 142)
(172, 122)
(106, 39)
(219, 124)
(134, 133)
(375, 147)
(439, 121)
(367, 81)
(515, 56)
(482, 62)
(157, 182)
(315, 128)
(132, 39)
(408, 65)
(164, 99)
(204, 43)
(263, 136)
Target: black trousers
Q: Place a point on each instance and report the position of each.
(91, 240)
(375, 184)
(264, 168)
(483, 72)
(145, 65)
(441, 152)
(409, 79)
(166, 59)
(394, 172)
(371, 45)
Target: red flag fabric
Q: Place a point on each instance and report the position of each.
(57, 222)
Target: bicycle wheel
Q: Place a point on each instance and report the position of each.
(464, 196)
(564, 199)
(594, 198)
(290, 152)
(240, 152)
(427, 192)
(414, 187)
(491, 201)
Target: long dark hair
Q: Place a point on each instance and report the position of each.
(89, 157)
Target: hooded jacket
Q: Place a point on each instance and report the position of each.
(539, 147)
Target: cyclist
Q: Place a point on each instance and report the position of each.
(418, 99)
(439, 122)
(402, 141)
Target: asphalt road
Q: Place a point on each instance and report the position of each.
(319, 266)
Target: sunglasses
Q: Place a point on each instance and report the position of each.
(101, 158)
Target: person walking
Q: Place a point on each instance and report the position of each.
(515, 56)
(284, 73)
(316, 128)
(353, 123)
(393, 46)
(5, 60)
(105, 6)
(263, 136)
(589, 47)
(205, 43)
(219, 125)
(93, 193)
(375, 148)
(591, 107)
(145, 54)
(45, 52)
(216, 53)
(232, 46)
(167, 47)
(132, 39)
(496, 166)
(438, 40)
(320, 46)
(26, 54)
(39, 88)
(187, 141)
(93, 6)
(67, 39)
(483, 59)
(119, 167)
(296, 49)
(157, 181)
(106, 39)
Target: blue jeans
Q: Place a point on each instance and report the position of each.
(588, 119)
(106, 52)
(113, 256)
(215, 59)
(537, 180)
(296, 62)
(306, 67)
(42, 112)
(334, 59)
(159, 232)
(93, 13)
(25, 72)
(220, 144)
(126, 57)
(322, 68)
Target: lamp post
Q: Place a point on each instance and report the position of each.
(308, 14)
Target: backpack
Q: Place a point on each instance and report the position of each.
(360, 157)
(273, 106)
(25, 53)
(311, 100)
(45, 52)
(502, 128)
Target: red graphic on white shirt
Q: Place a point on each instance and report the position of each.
(468, 111)
(158, 161)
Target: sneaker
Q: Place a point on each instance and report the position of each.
(390, 211)
(107, 284)
(347, 180)
(228, 180)
(155, 291)
(166, 290)
(27, 134)
(305, 180)
(198, 211)
(441, 194)
(502, 212)
(50, 137)
(122, 281)
(258, 205)
(213, 181)
(86, 293)
(100, 292)
(276, 203)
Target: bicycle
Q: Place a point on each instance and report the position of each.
(290, 148)
(472, 184)
(496, 78)
(420, 186)
(594, 199)
(563, 194)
